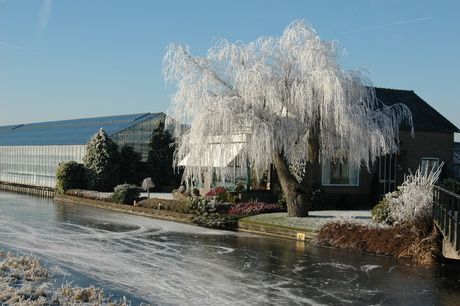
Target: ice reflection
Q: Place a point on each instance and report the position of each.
(165, 263)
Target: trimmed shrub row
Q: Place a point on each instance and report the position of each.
(172, 205)
(253, 208)
(90, 194)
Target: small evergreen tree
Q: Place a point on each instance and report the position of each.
(160, 157)
(130, 166)
(70, 175)
(125, 194)
(102, 160)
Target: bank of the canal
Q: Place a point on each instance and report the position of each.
(276, 224)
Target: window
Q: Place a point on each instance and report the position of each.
(429, 164)
(262, 183)
(340, 174)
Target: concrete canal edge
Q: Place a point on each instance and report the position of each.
(279, 231)
(243, 226)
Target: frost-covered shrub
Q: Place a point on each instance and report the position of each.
(90, 194)
(206, 206)
(215, 220)
(171, 205)
(201, 205)
(381, 213)
(451, 185)
(253, 208)
(413, 203)
(181, 189)
(125, 194)
(221, 195)
(70, 175)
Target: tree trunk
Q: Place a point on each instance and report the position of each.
(298, 195)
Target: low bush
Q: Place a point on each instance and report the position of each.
(215, 191)
(70, 175)
(125, 194)
(381, 213)
(221, 221)
(397, 241)
(412, 204)
(222, 195)
(171, 205)
(90, 194)
(201, 205)
(253, 208)
(208, 212)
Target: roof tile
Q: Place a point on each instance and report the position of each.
(424, 116)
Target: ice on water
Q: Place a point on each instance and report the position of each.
(161, 262)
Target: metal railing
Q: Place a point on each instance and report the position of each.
(445, 213)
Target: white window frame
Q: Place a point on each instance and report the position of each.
(432, 162)
(326, 169)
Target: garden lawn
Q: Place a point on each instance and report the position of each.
(313, 222)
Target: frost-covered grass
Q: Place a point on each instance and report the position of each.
(23, 281)
(314, 221)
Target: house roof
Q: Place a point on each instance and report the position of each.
(424, 116)
(67, 132)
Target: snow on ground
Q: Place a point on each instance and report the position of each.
(315, 219)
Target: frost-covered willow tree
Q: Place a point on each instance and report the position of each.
(278, 100)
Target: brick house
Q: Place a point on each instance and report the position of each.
(433, 143)
(348, 187)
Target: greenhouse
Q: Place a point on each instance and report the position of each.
(31, 153)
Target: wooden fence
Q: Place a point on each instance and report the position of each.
(445, 212)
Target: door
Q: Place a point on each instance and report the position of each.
(387, 174)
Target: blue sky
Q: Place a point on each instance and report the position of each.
(63, 59)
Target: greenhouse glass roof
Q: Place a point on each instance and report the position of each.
(67, 132)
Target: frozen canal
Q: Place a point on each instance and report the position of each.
(165, 263)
